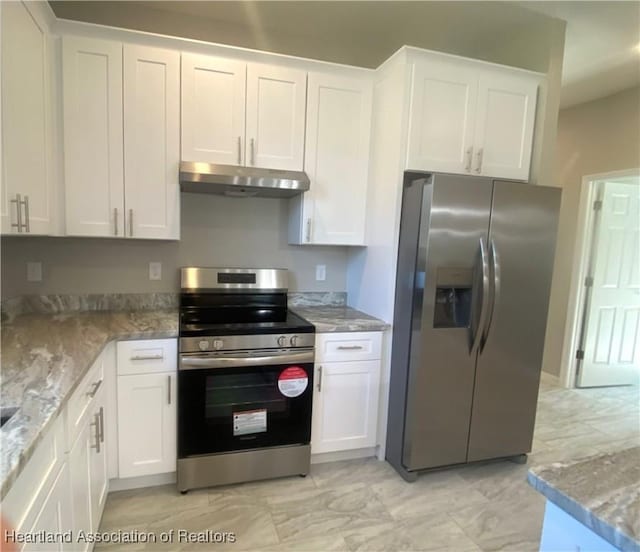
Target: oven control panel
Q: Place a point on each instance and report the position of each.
(245, 342)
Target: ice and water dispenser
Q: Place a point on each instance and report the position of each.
(453, 298)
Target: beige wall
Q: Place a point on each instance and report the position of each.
(216, 231)
(594, 137)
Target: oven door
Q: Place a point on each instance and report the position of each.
(243, 400)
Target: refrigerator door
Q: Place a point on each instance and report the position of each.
(442, 253)
(522, 239)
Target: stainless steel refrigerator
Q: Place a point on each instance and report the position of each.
(472, 291)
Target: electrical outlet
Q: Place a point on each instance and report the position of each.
(155, 271)
(34, 272)
(321, 273)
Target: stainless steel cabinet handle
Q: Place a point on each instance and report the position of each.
(169, 388)
(26, 214)
(319, 379)
(253, 152)
(18, 202)
(115, 221)
(307, 237)
(93, 391)
(349, 347)
(469, 159)
(102, 424)
(479, 167)
(96, 424)
(239, 150)
(131, 222)
(149, 357)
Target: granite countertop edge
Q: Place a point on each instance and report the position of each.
(582, 513)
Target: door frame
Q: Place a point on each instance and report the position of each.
(581, 257)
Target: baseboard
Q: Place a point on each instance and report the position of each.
(343, 455)
(142, 481)
(550, 379)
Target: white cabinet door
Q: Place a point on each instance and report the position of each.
(25, 122)
(345, 405)
(442, 116)
(276, 99)
(98, 459)
(151, 142)
(78, 460)
(93, 162)
(146, 424)
(213, 109)
(54, 517)
(336, 160)
(505, 122)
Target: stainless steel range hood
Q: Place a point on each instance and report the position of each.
(231, 180)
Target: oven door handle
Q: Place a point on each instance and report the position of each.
(200, 362)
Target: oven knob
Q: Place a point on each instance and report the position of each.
(203, 345)
(217, 344)
(294, 340)
(282, 341)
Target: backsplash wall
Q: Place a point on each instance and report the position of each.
(215, 231)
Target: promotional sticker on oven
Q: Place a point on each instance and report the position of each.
(292, 381)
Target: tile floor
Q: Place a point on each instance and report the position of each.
(364, 505)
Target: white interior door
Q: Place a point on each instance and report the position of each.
(612, 330)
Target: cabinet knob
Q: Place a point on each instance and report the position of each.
(469, 160)
(479, 167)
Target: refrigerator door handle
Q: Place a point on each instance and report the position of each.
(484, 264)
(495, 269)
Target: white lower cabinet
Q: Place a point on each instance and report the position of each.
(347, 386)
(54, 518)
(79, 467)
(146, 407)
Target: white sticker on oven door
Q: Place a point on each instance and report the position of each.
(292, 381)
(249, 421)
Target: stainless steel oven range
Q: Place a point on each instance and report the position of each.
(245, 378)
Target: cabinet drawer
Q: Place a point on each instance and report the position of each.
(82, 398)
(27, 494)
(348, 346)
(149, 356)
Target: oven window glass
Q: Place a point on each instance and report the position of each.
(222, 410)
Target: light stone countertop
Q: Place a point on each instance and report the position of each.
(602, 492)
(44, 358)
(339, 319)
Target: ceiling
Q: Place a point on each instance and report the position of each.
(599, 56)
(602, 47)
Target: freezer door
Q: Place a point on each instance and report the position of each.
(522, 239)
(445, 307)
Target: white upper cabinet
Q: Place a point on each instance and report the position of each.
(151, 142)
(276, 99)
(213, 109)
(28, 176)
(93, 137)
(504, 129)
(469, 117)
(443, 105)
(336, 160)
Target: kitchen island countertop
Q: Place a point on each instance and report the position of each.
(602, 492)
